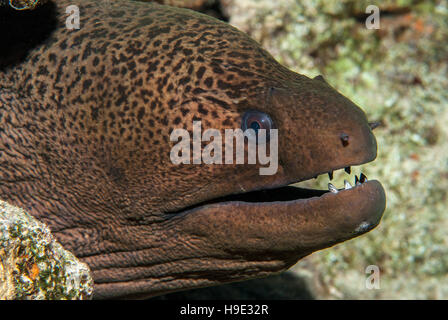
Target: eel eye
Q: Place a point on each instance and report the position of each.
(257, 120)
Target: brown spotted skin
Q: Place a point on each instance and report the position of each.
(84, 146)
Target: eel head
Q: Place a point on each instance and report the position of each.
(98, 109)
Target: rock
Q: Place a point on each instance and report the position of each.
(22, 4)
(33, 266)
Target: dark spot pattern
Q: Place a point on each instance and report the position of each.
(101, 99)
(86, 122)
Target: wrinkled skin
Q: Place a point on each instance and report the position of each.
(86, 118)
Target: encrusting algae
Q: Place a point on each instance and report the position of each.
(22, 4)
(33, 266)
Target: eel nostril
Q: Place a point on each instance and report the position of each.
(374, 125)
(344, 139)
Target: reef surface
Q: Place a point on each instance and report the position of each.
(33, 265)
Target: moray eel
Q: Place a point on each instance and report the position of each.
(86, 118)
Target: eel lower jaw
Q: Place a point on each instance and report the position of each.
(287, 220)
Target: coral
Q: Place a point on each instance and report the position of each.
(33, 266)
(22, 4)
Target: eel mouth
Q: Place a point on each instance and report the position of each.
(288, 218)
(285, 193)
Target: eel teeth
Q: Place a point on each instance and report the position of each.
(330, 174)
(332, 188)
(348, 170)
(347, 185)
(357, 181)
